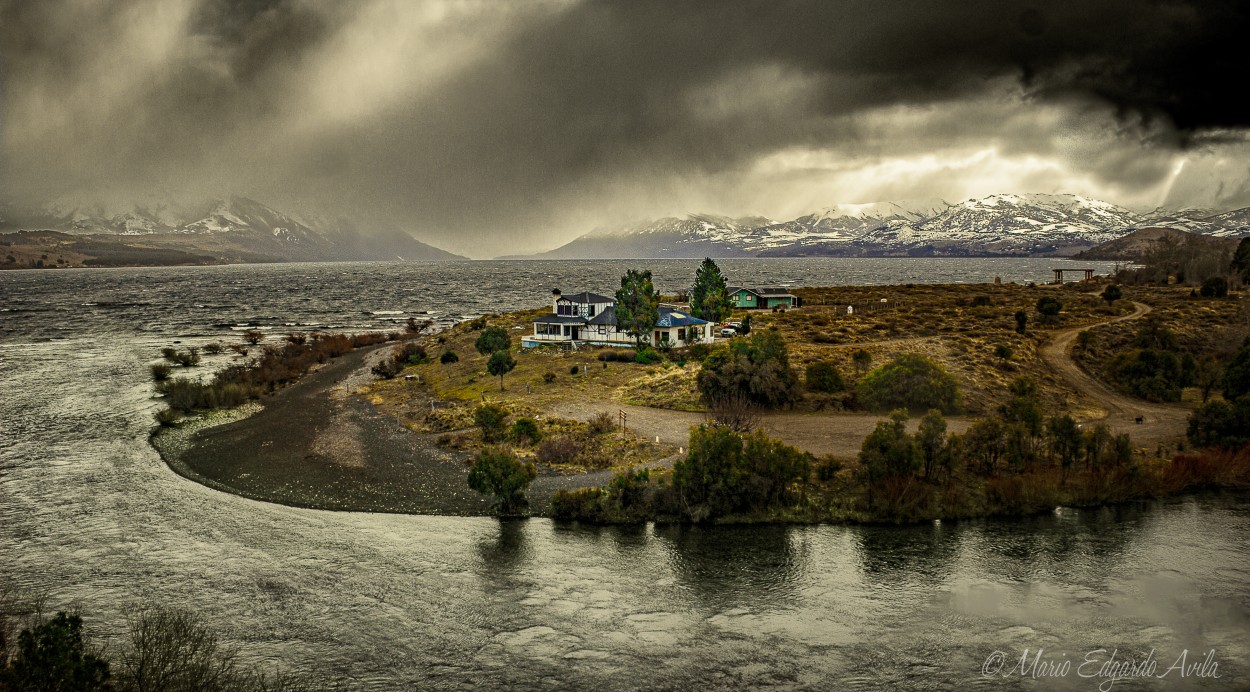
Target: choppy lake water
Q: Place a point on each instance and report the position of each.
(401, 602)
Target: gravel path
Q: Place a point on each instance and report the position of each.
(1161, 423)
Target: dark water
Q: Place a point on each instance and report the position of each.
(401, 602)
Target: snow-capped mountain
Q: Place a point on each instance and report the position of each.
(232, 229)
(1006, 224)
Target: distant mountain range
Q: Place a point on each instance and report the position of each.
(234, 229)
(998, 225)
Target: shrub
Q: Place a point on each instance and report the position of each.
(167, 417)
(549, 377)
(580, 504)
(253, 336)
(862, 359)
(476, 324)
(558, 450)
(448, 357)
(493, 339)
(1220, 424)
(1112, 293)
(410, 353)
(979, 301)
(160, 372)
(496, 471)
(601, 423)
(729, 472)
(213, 348)
(1214, 287)
(525, 431)
(1004, 351)
(1022, 321)
(1048, 307)
(491, 419)
(172, 650)
(754, 370)
(823, 376)
(910, 381)
(388, 369)
(575, 369)
(1236, 382)
(889, 450)
(647, 356)
(1148, 373)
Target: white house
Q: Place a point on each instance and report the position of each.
(589, 318)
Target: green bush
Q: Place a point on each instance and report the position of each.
(601, 423)
(889, 451)
(493, 339)
(1214, 287)
(525, 431)
(549, 377)
(1220, 424)
(823, 376)
(1048, 307)
(1150, 374)
(497, 472)
(53, 656)
(1237, 375)
(910, 381)
(575, 369)
(1004, 351)
(410, 353)
(448, 357)
(728, 472)
(647, 356)
(754, 370)
(490, 419)
(1112, 293)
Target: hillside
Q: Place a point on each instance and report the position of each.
(230, 230)
(1134, 246)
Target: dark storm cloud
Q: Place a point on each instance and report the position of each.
(490, 118)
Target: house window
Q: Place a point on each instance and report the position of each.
(590, 311)
(681, 334)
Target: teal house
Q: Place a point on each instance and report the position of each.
(763, 298)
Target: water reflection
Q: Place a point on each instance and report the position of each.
(506, 552)
(725, 567)
(926, 552)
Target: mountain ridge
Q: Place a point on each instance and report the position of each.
(1034, 224)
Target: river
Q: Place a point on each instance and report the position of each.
(93, 517)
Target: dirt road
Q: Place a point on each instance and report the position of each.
(1161, 423)
(839, 434)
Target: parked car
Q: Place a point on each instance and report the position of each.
(728, 332)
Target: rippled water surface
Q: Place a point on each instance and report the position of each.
(396, 602)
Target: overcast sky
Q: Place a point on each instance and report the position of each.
(496, 127)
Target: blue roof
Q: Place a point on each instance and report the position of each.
(675, 318)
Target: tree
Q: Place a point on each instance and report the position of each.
(745, 328)
(501, 363)
(637, 305)
(1237, 375)
(172, 650)
(1022, 321)
(1220, 424)
(931, 440)
(1065, 441)
(52, 656)
(1112, 293)
(889, 450)
(709, 298)
(910, 381)
(1240, 265)
(496, 471)
(493, 339)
